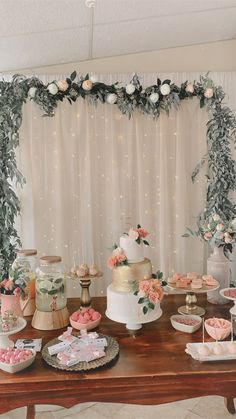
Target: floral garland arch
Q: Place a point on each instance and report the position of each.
(152, 100)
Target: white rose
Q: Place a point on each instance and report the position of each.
(216, 217)
(52, 88)
(219, 227)
(154, 97)
(165, 89)
(189, 88)
(62, 85)
(228, 240)
(130, 88)
(111, 98)
(93, 78)
(87, 85)
(118, 251)
(208, 93)
(141, 294)
(133, 234)
(32, 91)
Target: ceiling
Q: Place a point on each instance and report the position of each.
(37, 33)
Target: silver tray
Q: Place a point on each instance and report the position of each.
(111, 351)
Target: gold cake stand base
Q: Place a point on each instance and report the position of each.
(191, 306)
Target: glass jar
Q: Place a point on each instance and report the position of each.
(24, 266)
(50, 284)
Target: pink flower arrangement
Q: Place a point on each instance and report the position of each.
(150, 293)
(117, 258)
(138, 234)
(7, 286)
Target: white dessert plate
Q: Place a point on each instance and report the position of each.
(193, 348)
(222, 293)
(204, 288)
(186, 328)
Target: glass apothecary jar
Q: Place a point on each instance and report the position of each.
(23, 270)
(50, 284)
(26, 260)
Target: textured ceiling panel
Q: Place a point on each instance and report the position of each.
(36, 33)
(24, 16)
(123, 10)
(37, 50)
(158, 33)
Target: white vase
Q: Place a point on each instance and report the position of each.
(219, 267)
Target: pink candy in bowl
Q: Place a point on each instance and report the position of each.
(218, 329)
(85, 318)
(14, 360)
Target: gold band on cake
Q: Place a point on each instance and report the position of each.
(125, 278)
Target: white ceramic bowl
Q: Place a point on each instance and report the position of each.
(218, 333)
(184, 327)
(12, 368)
(88, 326)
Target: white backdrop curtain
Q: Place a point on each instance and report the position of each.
(92, 173)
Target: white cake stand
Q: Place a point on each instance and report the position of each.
(5, 342)
(135, 323)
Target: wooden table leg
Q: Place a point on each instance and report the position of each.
(229, 403)
(30, 412)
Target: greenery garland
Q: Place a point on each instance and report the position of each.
(161, 96)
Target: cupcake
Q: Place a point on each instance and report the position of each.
(93, 270)
(82, 271)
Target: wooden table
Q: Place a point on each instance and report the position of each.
(152, 368)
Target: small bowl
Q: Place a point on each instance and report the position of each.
(13, 368)
(186, 328)
(216, 332)
(88, 326)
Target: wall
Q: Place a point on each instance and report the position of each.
(217, 56)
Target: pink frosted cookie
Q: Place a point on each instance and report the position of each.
(209, 280)
(196, 283)
(182, 282)
(192, 275)
(176, 276)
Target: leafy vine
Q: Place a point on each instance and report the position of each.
(152, 100)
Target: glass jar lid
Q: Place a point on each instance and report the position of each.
(26, 252)
(47, 260)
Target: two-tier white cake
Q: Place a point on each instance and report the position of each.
(122, 304)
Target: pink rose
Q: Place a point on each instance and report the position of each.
(189, 88)
(228, 240)
(87, 85)
(153, 297)
(142, 232)
(118, 251)
(121, 257)
(9, 284)
(144, 286)
(133, 234)
(62, 85)
(16, 291)
(3, 283)
(207, 235)
(208, 93)
(111, 262)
